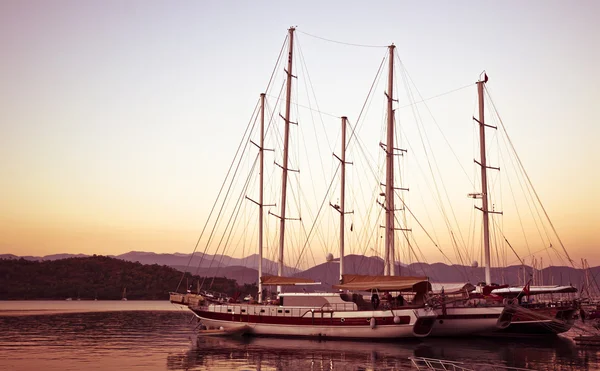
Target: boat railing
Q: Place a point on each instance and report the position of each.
(336, 307)
(185, 299)
(422, 363)
(554, 304)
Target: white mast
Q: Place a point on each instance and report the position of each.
(484, 184)
(341, 207)
(286, 140)
(389, 265)
(260, 197)
(260, 203)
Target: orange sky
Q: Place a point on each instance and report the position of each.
(116, 122)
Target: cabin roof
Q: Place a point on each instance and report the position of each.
(534, 290)
(356, 282)
(452, 287)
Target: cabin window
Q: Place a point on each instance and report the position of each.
(262, 310)
(279, 311)
(243, 310)
(229, 310)
(287, 311)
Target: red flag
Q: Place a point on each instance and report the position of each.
(527, 288)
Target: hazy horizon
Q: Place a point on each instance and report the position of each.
(119, 120)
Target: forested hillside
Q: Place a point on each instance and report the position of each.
(98, 277)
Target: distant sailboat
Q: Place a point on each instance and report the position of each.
(124, 296)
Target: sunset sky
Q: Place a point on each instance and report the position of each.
(118, 119)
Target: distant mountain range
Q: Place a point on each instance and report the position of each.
(98, 277)
(244, 270)
(176, 260)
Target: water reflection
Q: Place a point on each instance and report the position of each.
(286, 354)
(150, 340)
(283, 354)
(276, 354)
(100, 341)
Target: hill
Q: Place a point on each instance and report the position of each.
(328, 273)
(174, 260)
(245, 272)
(98, 277)
(242, 275)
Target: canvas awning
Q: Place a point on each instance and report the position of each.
(286, 281)
(355, 282)
(451, 288)
(534, 290)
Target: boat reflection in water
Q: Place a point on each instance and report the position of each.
(302, 354)
(291, 354)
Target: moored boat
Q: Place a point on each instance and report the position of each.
(341, 314)
(458, 314)
(324, 315)
(538, 315)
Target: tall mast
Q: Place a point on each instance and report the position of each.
(286, 141)
(260, 202)
(484, 185)
(260, 197)
(389, 266)
(342, 207)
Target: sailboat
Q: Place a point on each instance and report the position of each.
(457, 313)
(532, 319)
(340, 314)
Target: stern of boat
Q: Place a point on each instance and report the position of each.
(506, 317)
(425, 321)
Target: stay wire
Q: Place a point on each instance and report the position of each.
(530, 183)
(342, 42)
(231, 166)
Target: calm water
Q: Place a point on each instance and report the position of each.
(102, 335)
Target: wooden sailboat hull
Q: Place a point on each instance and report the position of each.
(540, 321)
(310, 322)
(462, 321)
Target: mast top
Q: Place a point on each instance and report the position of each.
(485, 77)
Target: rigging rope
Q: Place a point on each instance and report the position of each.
(342, 42)
(530, 183)
(435, 96)
(248, 127)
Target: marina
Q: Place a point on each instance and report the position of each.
(410, 307)
(158, 336)
(323, 186)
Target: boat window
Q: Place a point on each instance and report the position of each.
(262, 310)
(243, 310)
(229, 310)
(287, 311)
(279, 311)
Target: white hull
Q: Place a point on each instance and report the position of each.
(304, 322)
(462, 321)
